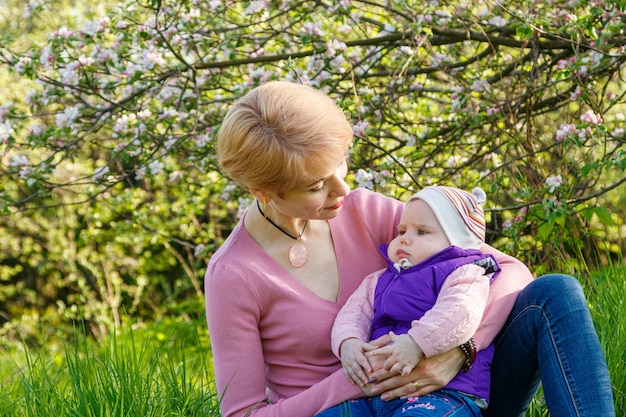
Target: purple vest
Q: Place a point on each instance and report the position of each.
(404, 296)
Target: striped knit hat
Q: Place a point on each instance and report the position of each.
(459, 213)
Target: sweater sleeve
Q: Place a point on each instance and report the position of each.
(355, 317)
(233, 314)
(513, 277)
(456, 314)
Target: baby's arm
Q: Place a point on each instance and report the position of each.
(352, 327)
(457, 313)
(449, 323)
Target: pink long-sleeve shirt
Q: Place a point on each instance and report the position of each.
(271, 336)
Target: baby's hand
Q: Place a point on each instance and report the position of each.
(355, 364)
(403, 354)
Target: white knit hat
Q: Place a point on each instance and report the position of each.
(459, 213)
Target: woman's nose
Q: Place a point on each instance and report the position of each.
(339, 186)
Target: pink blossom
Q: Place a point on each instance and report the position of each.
(198, 250)
(334, 46)
(25, 173)
(577, 93)
(4, 111)
(312, 29)
(564, 130)
(69, 76)
(64, 32)
(37, 129)
(22, 64)
(359, 128)
(591, 117)
(46, 57)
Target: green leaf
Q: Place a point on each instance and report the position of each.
(604, 216)
(524, 32)
(545, 229)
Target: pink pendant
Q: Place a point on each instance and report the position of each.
(297, 254)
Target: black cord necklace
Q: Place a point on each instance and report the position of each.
(297, 252)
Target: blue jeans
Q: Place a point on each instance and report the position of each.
(439, 403)
(550, 335)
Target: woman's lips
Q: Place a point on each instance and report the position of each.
(336, 206)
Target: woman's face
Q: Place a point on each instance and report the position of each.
(320, 199)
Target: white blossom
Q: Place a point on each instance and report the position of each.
(156, 167)
(365, 179)
(553, 182)
(18, 161)
(100, 172)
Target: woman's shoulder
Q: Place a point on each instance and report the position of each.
(235, 257)
(368, 216)
(364, 199)
(233, 271)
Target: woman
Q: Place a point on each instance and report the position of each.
(275, 286)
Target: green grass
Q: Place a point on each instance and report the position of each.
(606, 293)
(147, 372)
(166, 368)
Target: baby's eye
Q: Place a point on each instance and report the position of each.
(422, 232)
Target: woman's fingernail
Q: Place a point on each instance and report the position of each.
(375, 390)
(373, 380)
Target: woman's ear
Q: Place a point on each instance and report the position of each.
(263, 197)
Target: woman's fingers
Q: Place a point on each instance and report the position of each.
(381, 341)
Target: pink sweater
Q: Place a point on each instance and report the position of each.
(270, 335)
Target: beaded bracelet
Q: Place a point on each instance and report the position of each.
(469, 350)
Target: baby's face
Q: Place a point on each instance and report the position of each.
(419, 234)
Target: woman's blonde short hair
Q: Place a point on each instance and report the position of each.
(281, 134)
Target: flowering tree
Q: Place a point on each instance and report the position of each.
(525, 101)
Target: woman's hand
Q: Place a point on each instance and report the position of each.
(429, 374)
